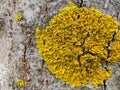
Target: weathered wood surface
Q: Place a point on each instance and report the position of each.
(17, 42)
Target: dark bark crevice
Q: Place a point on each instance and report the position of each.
(109, 44)
(104, 85)
(81, 4)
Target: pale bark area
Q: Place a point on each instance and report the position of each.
(17, 42)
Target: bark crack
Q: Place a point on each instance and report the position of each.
(109, 44)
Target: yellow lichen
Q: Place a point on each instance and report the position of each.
(19, 16)
(78, 44)
(20, 82)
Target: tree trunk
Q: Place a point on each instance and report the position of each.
(19, 57)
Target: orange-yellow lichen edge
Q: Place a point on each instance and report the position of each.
(78, 44)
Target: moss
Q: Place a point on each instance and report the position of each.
(78, 44)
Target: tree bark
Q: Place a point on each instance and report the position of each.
(19, 57)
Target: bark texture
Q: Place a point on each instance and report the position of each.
(18, 56)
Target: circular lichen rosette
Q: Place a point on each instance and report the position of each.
(78, 45)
